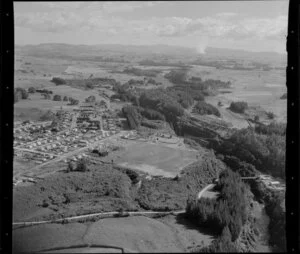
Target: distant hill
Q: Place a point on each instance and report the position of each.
(237, 53)
(72, 50)
(78, 51)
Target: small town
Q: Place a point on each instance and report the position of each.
(68, 139)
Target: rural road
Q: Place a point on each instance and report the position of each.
(210, 186)
(92, 215)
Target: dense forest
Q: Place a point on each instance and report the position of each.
(264, 151)
(225, 215)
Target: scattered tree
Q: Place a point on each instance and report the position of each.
(57, 97)
(270, 115)
(91, 98)
(238, 107)
(58, 81)
(31, 90)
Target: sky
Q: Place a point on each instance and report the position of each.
(247, 25)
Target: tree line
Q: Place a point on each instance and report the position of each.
(225, 215)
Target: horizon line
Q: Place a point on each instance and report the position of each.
(148, 45)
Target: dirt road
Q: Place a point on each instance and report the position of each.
(210, 186)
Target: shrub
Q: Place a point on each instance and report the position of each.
(89, 85)
(17, 96)
(23, 92)
(57, 97)
(272, 128)
(31, 90)
(73, 101)
(65, 98)
(284, 96)
(270, 115)
(91, 98)
(47, 96)
(82, 166)
(58, 81)
(204, 108)
(152, 114)
(238, 107)
(71, 166)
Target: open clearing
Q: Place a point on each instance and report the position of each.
(156, 159)
(256, 87)
(137, 234)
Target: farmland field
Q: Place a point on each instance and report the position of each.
(256, 87)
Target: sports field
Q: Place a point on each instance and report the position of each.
(156, 159)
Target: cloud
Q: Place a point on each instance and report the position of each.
(227, 14)
(96, 16)
(218, 26)
(54, 22)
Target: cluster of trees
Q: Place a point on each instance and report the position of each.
(80, 166)
(58, 81)
(137, 116)
(140, 72)
(238, 107)
(152, 114)
(43, 91)
(133, 116)
(57, 97)
(277, 224)
(163, 102)
(272, 128)
(265, 152)
(47, 96)
(31, 90)
(228, 212)
(124, 94)
(73, 101)
(193, 91)
(91, 98)
(90, 83)
(20, 94)
(270, 115)
(184, 98)
(204, 108)
(222, 244)
(243, 168)
(216, 83)
(179, 77)
(48, 116)
(148, 62)
(274, 204)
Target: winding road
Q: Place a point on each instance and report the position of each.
(210, 186)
